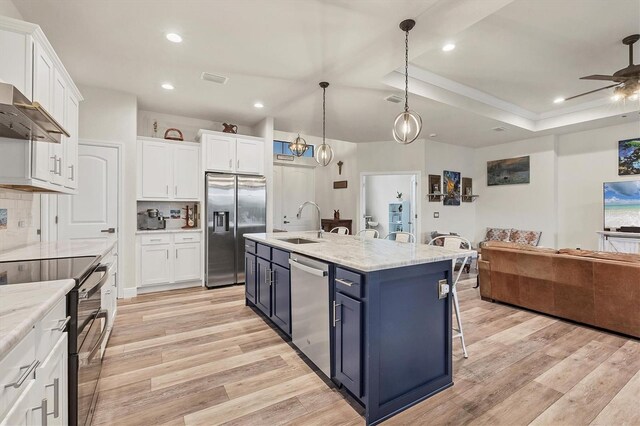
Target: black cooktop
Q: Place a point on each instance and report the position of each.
(29, 271)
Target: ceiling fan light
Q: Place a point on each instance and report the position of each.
(298, 147)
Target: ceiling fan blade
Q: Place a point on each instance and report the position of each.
(592, 91)
(598, 77)
(605, 77)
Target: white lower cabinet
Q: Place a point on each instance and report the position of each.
(33, 376)
(167, 258)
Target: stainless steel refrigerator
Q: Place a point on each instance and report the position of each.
(236, 205)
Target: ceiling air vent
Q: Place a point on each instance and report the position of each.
(499, 129)
(220, 79)
(394, 98)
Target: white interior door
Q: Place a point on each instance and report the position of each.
(292, 187)
(93, 212)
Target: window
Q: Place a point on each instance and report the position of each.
(282, 147)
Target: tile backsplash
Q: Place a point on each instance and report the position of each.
(19, 218)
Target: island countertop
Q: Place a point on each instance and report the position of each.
(366, 255)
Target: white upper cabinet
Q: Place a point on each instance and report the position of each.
(30, 63)
(168, 170)
(220, 153)
(155, 169)
(232, 154)
(186, 176)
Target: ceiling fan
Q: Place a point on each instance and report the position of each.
(627, 80)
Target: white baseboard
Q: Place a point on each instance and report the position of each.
(165, 287)
(130, 292)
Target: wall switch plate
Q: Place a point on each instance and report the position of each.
(436, 215)
(443, 289)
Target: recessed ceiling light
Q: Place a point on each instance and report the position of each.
(448, 47)
(433, 135)
(558, 100)
(175, 38)
(167, 86)
(258, 105)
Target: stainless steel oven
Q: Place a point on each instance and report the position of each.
(92, 332)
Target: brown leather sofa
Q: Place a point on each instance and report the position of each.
(596, 288)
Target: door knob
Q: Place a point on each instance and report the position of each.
(286, 221)
(109, 230)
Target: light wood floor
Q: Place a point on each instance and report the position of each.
(201, 357)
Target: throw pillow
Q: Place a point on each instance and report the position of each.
(497, 234)
(519, 236)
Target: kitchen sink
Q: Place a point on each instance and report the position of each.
(298, 240)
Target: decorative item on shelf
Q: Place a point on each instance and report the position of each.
(435, 194)
(155, 128)
(299, 146)
(399, 195)
(452, 188)
(188, 217)
(324, 153)
(340, 184)
(408, 124)
(467, 190)
(196, 216)
(629, 157)
(229, 128)
(285, 157)
(336, 214)
(340, 164)
(176, 136)
(174, 214)
(508, 172)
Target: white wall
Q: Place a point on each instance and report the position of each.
(187, 125)
(329, 199)
(265, 130)
(109, 115)
(382, 190)
(7, 8)
(529, 206)
(585, 161)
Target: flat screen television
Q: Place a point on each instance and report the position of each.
(622, 206)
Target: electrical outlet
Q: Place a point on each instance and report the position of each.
(436, 215)
(443, 289)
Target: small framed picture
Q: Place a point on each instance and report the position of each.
(175, 213)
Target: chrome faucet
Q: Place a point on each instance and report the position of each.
(299, 214)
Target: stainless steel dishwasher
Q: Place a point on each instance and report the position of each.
(310, 309)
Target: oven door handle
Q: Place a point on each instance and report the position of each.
(84, 294)
(94, 350)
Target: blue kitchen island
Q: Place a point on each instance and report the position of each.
(384, 330)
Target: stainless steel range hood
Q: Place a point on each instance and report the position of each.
(22, 119)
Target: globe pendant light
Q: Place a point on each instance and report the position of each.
(408, 124)
(298, 147)
(324, 153)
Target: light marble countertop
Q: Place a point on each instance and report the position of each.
(56, 249)
(23, 305)
(167, 231)
(365, 255)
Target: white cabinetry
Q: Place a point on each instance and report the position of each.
(168, 170)
(34, 68)
(232, 154)
(33, 376)
(168, 258)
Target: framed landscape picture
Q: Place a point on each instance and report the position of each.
(510, 171)
(451, 188)
(629, 157)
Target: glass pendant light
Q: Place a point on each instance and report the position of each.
(408, 124)
(298, 147)
(324, 153)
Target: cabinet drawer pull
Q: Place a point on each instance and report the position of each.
(175, 191)
(268, 277)
(56, 397)
(167, 189)
(59, 173)
(229, 163)
(73, 174)
(345, 282)
(55, 164)
(29, 369)
(189, 238)
(238, 164)
(335, 319)
(155, 239)
(43, 415)
(62, 326)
